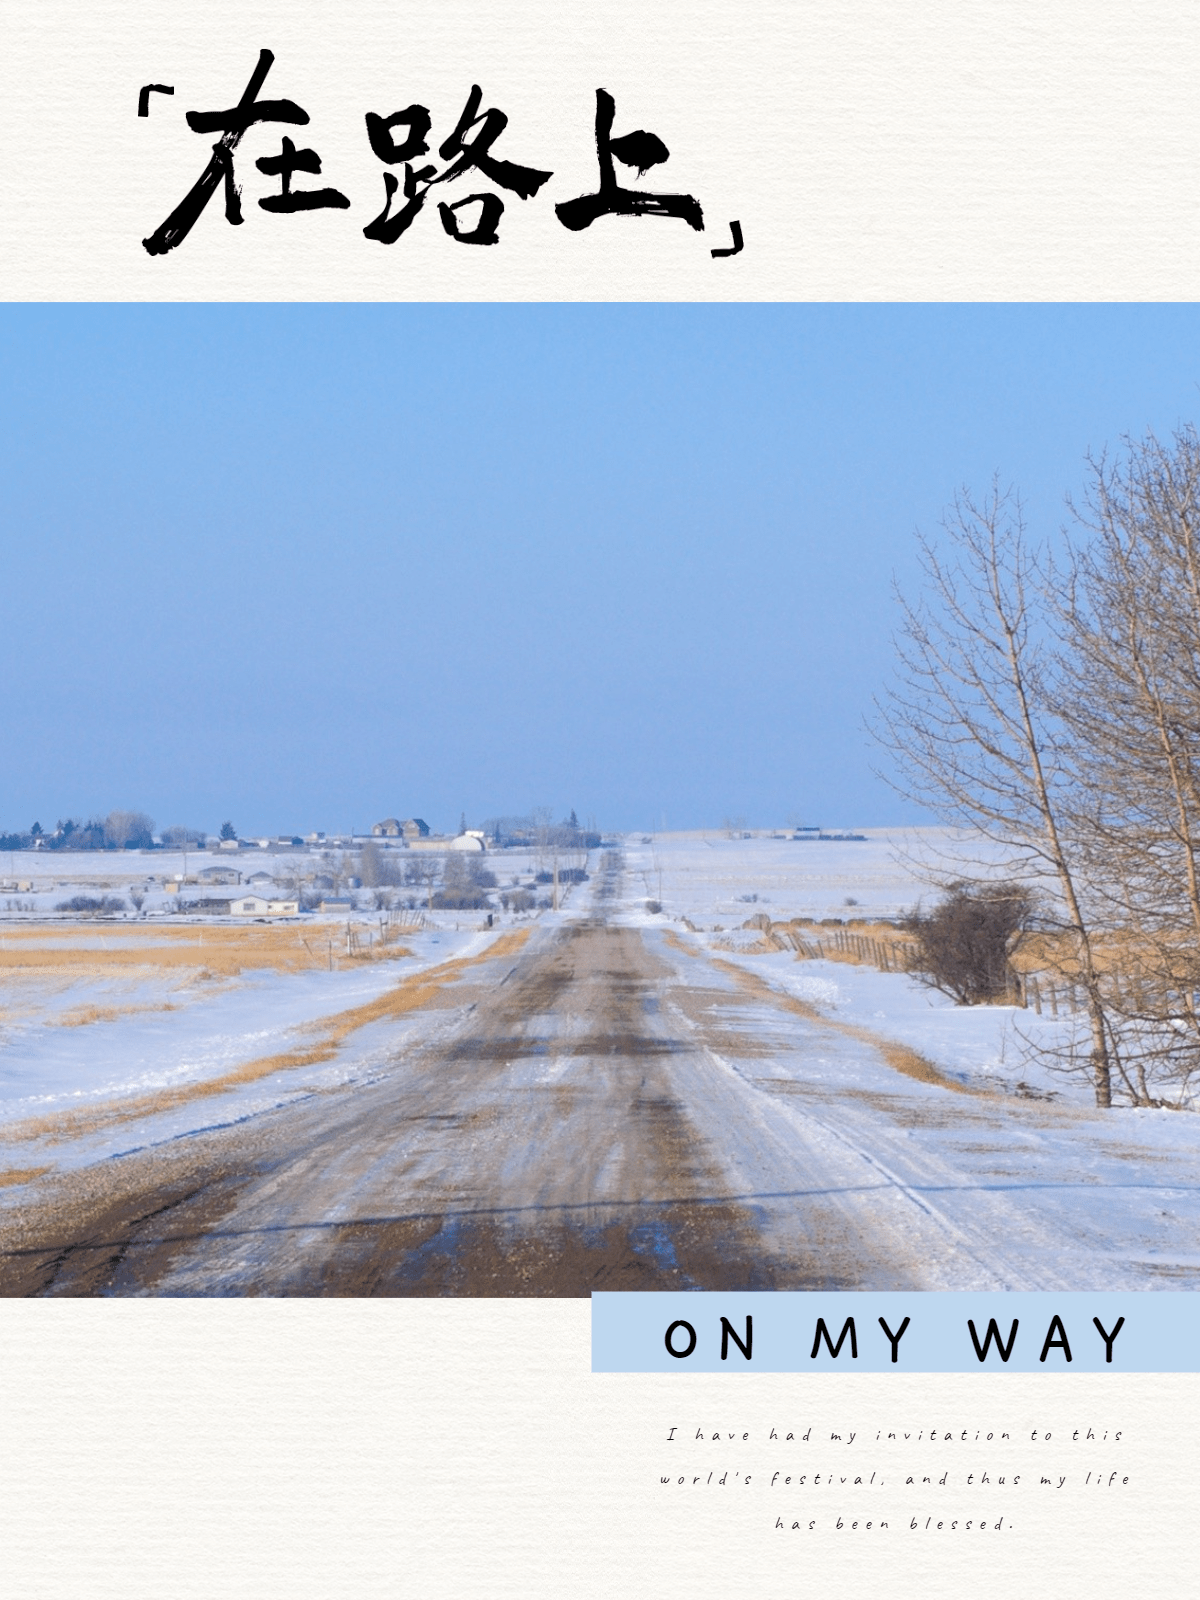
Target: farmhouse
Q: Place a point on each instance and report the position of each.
(257, 905)
(219, 875)
(391, 828)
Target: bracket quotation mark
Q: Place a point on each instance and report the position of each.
(735, 229)
(146, 91)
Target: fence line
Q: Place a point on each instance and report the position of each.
(889, 955)
(1040, 991)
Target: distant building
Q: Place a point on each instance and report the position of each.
(824, 837)
(218, 875)
(259, 880)
(336, 905)
(414, 828)
(257, 905)
(470, 842)
(389, 828)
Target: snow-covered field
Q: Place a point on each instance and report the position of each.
(709, 877)
(138, 1009)
(74, 1049)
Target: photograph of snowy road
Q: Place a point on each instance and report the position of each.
(648, 796)
(603, 1098)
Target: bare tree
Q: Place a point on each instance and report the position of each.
(1131, 623)
(180, 837)
(543, 829)
(128, 829)
(378, 867)
(971, 722)
(464, 884)
(423, 869)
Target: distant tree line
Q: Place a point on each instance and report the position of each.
(104, 905)
(539, 831)
(119, 830)
(457, 882)
(448, 881)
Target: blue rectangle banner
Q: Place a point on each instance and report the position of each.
(896, 1332)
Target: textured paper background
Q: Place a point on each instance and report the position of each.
(935, 151)
(940, 150)
(463, 1448)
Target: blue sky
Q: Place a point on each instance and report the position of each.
(307, 566)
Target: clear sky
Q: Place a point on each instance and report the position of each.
(308, 566)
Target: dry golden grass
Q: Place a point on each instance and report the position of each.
(82, 1016)
(410, 994)
(671, 938)
(14, 1175)
(898, 1056)
(132, 932)
(1120, 953)
(223, 951)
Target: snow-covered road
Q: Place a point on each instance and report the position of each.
(617, 1105)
